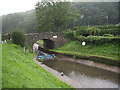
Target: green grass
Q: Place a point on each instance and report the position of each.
(83, 55)
(107, 53)
(108, 50)
(0, 66)
(20, 71)
(40, 42)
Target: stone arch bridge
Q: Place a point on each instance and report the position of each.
(50, 39)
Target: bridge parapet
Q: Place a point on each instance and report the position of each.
(56, 37)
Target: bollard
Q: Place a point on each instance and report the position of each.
(62, 74)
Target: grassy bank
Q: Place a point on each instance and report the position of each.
(106, 53)
(20, 71)
(0, 66)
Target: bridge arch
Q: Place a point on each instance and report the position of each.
(53, 39)
(48, 44)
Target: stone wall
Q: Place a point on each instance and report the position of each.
(33, 37)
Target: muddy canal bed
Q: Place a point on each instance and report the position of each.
(90, 77)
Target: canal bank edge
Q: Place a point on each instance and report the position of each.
(96, 58)
(114, 69)
(57, 74)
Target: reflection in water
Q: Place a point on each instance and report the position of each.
(86, 75)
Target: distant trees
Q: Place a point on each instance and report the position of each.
(97, 13)
(25, 21)
(53, 16)
(18, 37)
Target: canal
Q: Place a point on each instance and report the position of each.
(90, 77)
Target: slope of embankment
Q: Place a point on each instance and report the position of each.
(20, 71)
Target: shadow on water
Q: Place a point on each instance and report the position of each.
(89, 76)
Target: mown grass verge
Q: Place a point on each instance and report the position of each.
(20, 71)
(107, 53)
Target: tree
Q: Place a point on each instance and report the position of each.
(53, 16)
(18, 37)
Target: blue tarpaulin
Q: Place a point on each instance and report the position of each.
(46, 56)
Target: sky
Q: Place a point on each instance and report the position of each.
(12, 6)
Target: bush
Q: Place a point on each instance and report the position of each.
(107, 26)
(97, 30)
(88, 30)
(69, 35)
(108, 35)
(98, 39)
(81, 38)
(18, 37)
(113, 31)
(81, 31)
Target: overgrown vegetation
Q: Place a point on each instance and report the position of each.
(94, 34)
(98, 40)
(20, 71)
(97, 30)
(108, 49)
(106, 53)
(102, 43)
(93, 13)
(54, 16)
(18, 37)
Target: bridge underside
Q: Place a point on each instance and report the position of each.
(48, 44)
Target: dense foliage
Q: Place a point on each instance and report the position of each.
(98, 30)
(18, 37)
(93, 13)
(97, 13)
(54, 16)
(97, 40)
(94, 34)
(23, 21)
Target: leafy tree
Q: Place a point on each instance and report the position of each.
(98, 13)
(53, 16)
(89, 13)
(18, 37)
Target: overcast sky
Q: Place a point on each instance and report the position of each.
(12, 6)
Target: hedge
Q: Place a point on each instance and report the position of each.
(69, 35)
(98, 39)
(107, 38)
(107, 26)
(97, 30)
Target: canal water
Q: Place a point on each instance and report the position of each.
(90, 77)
